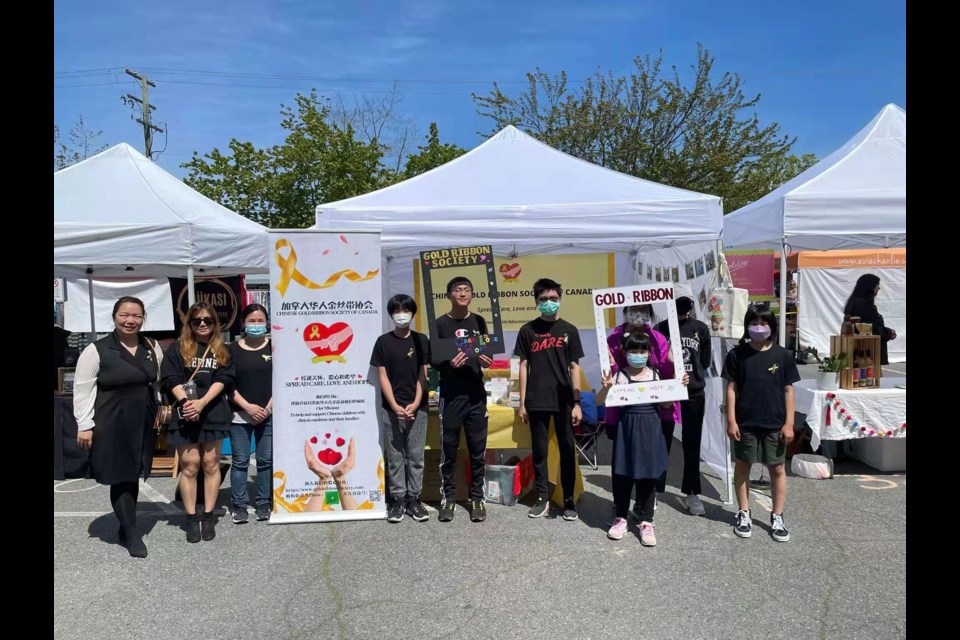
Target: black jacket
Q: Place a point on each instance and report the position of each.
(867, 312)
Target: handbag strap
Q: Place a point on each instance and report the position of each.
(199, 364)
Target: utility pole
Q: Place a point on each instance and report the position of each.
(146, 108)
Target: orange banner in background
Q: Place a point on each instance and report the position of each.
(858, 259)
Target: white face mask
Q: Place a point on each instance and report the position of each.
(402, 320)
(637, 318)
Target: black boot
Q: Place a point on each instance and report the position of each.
(193, 527)
(135, 546)
(208, 526)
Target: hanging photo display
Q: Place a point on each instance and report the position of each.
(661, 298)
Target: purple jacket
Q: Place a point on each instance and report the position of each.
(659, 347)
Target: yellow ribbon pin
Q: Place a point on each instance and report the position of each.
(288, 272)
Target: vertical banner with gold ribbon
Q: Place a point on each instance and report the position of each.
(326, 305)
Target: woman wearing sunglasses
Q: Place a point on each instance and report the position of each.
(196, 369)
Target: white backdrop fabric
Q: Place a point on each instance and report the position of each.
(822, 294)
(155, 293)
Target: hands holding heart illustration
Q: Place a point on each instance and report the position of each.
(331, 464)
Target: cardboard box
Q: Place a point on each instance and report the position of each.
(883, 454)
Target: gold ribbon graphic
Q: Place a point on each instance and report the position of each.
(297, 506)
(288, 267)
(380, 475)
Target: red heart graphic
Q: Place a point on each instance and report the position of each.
(341, 442)
(326, 251)
(327, 343)
(334, 457)
(426, 263)
(322, 456)
(360, 375)
(510, 271)
(326, 435)
(313, 440)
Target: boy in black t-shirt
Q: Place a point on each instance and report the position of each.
(760, 405)
(549, 350)
(463, 399)
(695, 339)
(401, 357)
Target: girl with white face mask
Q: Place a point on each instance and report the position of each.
(401, 357)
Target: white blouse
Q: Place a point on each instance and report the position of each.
(85, 385)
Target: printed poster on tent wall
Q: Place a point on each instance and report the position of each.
(326, 302)
(752, 269)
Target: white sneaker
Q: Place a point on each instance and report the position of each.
(695, 505)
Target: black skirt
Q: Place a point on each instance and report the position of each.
(189, 433)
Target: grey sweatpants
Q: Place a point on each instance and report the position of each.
(404, 447)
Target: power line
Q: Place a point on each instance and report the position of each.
(145, 108)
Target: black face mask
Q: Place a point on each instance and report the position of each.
(683, 310)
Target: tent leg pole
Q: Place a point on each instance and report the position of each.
(93, 313)
(191, 291)
(783, 293)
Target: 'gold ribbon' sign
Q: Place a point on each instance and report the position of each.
(288, 266)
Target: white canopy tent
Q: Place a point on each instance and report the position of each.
(118, 214)
(854, 198)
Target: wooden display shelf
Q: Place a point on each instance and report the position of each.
(849, 344)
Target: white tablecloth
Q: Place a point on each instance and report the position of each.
(884, 408)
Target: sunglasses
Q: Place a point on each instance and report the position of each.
(549, 299)
(206, 321)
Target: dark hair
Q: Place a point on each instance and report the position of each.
(401, 301)
(684, 302)
(253, 308)
(637, 341)
(546, 284)
(647, 306)
(759, 312)
(863, 289)
(458, 281)
(130, 300)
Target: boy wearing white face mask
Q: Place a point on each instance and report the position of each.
(401, 357)
(760, 376)
(549, 350)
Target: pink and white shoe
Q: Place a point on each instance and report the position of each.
(618, 529)
(647, 536)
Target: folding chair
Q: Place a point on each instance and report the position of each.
(585, 439)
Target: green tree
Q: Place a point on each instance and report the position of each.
(81, 143)
(431, 155)
(319, 161)
(700, 135)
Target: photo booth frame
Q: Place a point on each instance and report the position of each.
(664, 390)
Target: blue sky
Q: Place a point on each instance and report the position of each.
(824, 68)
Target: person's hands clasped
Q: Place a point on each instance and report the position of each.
(411, 411)
(193, 408)
(85, 439)
(258, 413)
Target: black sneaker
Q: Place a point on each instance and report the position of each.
(395, 512)
(240, 515)
(136, 548)
(541, 508)
(570, 511)
(478, 510)
(193, 527)
(744, 525)
(777, 531)
(208, 526)
(263, 512)
(417, 511)
(447, 510)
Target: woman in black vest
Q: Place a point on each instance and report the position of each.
(202, 417)
(115, 402)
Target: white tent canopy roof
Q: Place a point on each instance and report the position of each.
(854, 198)
(515, 190)
(118, 210)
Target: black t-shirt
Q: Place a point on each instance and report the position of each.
(403, 358)
(548, 348)
(254, 373)
(467, 381)
(695, 339)
(761, 377)
(174, 371)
